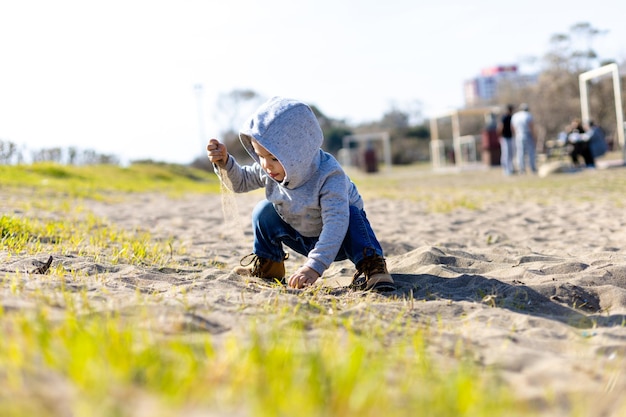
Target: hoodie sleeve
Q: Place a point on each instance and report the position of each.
(334, 202)
(243, 178)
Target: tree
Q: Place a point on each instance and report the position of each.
(333, 129)
(555, 99)
(421, 131)
(8, 152)
(234, 106)
(557, 96)
(333, 138)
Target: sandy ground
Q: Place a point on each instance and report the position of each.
(535, 289)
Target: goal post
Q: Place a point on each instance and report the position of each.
(584, 98)
(383, 137)
(462, 148)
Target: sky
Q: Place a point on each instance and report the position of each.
(120, 76)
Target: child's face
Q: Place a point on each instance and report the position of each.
(269, 162)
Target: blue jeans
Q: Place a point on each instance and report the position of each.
(525, 147)
(507, 149)
(271, 232)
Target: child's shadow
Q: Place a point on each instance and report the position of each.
(582, 309)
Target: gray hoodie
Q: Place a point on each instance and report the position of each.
(315, 195)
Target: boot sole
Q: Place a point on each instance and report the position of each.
(382, 283)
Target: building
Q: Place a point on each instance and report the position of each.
(482, 89)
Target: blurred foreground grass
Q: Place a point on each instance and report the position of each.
(67, 357)
(103, 364)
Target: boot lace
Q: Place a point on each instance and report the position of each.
(370, 265)
(256, 262)
(253, 260)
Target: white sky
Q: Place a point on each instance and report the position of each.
(117, 76)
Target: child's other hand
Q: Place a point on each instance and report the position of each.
(303, 277)
(217, 152)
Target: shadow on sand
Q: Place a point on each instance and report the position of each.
(571, 304)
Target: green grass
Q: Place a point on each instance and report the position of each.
(107, 365)
(474, 189)
(99, 181)
(67, 229)
(86, 236)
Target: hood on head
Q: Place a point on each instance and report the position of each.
(289, 130)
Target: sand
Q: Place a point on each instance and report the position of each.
(534, 287)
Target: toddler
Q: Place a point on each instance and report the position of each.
(311, 205)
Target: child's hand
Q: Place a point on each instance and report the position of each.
(217, 152)
(303, 277)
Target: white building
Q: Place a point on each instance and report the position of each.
(483, 88)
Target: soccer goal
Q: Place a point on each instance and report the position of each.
(350, 156)
(584, 78)
(459, 150)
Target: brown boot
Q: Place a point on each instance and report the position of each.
(255, 266)
(375, 275)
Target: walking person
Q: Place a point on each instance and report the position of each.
(507, 147)
(522, 126)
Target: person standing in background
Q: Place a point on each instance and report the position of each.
(522, 126)
(507, 147)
